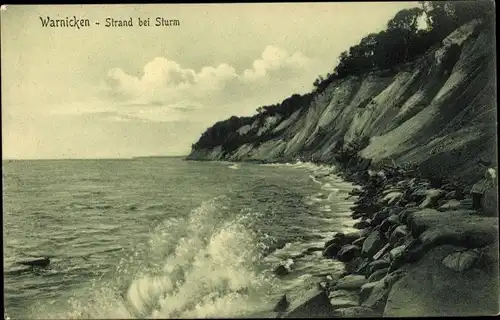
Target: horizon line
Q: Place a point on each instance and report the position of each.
(103, 158)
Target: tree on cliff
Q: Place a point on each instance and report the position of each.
(404, 39)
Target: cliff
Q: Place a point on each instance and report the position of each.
(437, 112)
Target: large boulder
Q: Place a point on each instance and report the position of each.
(431, 289)
(382, 253)
(452, 204)
(348, 253)
(396, 252)
(350, 282)
(377, 297)
(378, 275)
(281, 270)
(282, 304)
(373, 243)
(332, 250)
(376, 265)
(313, 303)
(398, 234)
(460, 228)
(338, 303)
(485, 196)
(380, 216)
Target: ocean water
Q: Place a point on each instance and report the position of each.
(164, 237)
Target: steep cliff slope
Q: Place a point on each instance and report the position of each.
(438, 112)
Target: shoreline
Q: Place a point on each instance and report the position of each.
(423, 249)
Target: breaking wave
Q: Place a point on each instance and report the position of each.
(205, 266)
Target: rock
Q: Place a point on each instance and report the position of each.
(282, 305)
(466, 203)
(281, 270)
(332, 250)
(366, 290)
(377, 298)
(354, 312)
(38, 262)
(312, 303)
(403, 216)
(348, 252)
(359, 242)
(392, 197)
(379, 217)
(358, 215)
(365, 232)
(343, 294)
(385, 225)
(350, 282)
(396, 252)
(419, 193)
(372, 244)
(431, 199)
(391, 190)
(352, 265)
(389, 231)
(335, 240)
(452, 204)
(451, 195)
(366, 208)
(362, 266)
(338, 303)
(362, 224)
(431, 289)
(312, 249)
(461, 260)
(376, 265)
(356, 192)
(378, 275)
(346, 238)
(381, 252)
(489, 201)
(480, 187)
(460, 228)
(399, 233)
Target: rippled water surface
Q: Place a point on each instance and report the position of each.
(163, 237)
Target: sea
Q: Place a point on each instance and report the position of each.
(164, 237)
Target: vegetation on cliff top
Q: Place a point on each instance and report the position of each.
(402, 41)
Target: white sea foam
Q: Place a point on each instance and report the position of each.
(204, 267)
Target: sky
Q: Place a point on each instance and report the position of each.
(120, 92)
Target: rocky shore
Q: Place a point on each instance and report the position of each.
(424, 248)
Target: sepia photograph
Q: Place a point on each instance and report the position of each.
(250, 160)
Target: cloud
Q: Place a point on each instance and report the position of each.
(276, 60)
(175, 92)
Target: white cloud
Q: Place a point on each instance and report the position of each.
(273, 59)
(177, 90)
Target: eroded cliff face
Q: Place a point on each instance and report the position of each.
(438, 112)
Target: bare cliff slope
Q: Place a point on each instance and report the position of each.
(438, 112)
